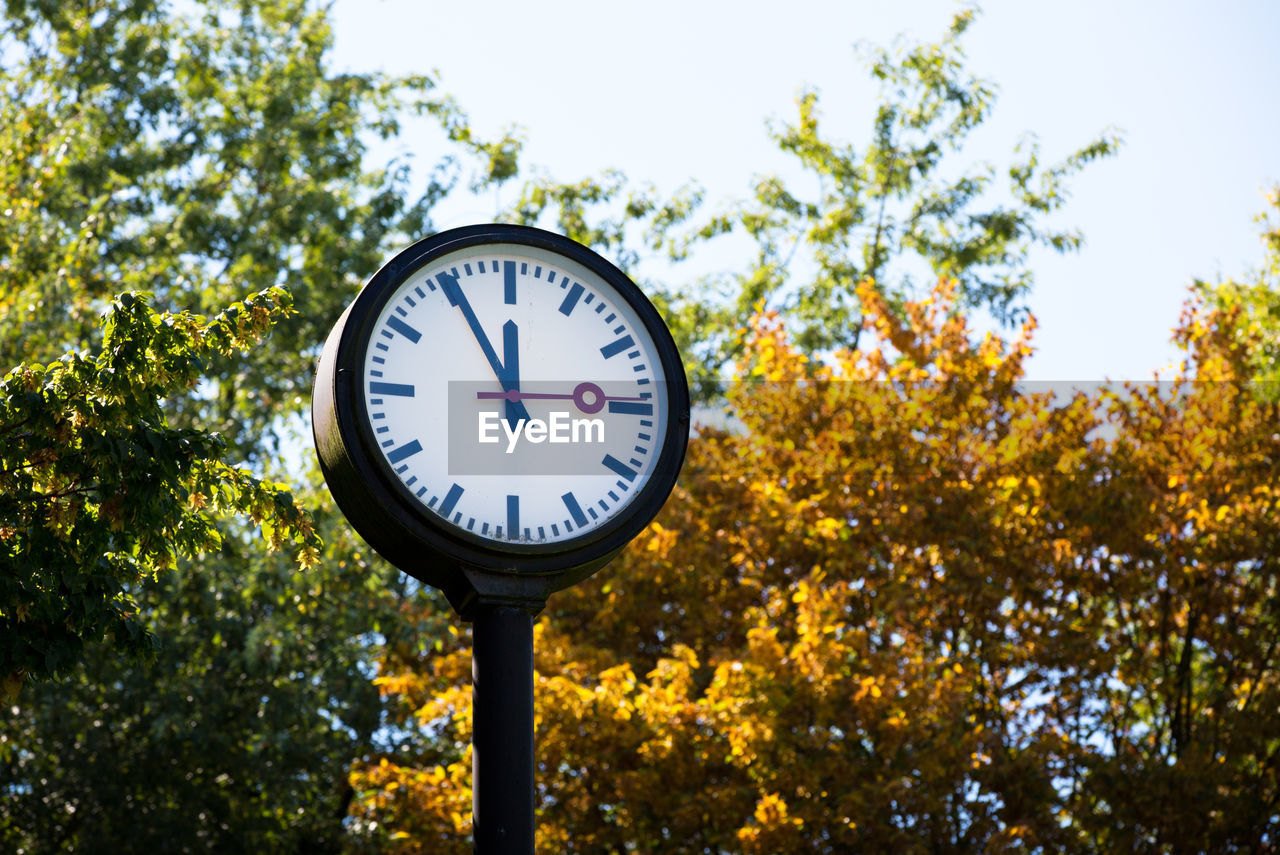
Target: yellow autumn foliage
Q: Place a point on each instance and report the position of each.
(911, 606)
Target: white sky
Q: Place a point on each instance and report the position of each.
(671, 92)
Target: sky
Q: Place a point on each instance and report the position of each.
(677, 92)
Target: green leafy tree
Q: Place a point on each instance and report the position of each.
(203, 157)
(1258, 303)
(174, 178)
(896, 210)
(98, 490)
(238, 734)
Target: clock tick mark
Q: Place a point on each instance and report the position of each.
(402, 328)
(620, 468)
(513, 513)
(631, 408)
(611, 350)
(450, 500)
(407, 450)
(571, 300)
(508, 281)
(397, 390)
(575, 510)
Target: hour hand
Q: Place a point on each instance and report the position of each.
(509, 376)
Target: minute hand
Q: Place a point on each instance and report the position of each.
(508, 374)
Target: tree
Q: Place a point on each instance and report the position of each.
(202, 157)
(895, 210)
(1258, 302)
(911, 606)
(189, 173)
(99, 491)
(237, 735)
(195, 161)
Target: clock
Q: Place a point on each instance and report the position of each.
(499, 412)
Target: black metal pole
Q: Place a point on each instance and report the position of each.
(502, 743)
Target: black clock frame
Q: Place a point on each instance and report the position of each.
(466, 568)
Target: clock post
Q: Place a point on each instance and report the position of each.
(502, 746)
(498, 413)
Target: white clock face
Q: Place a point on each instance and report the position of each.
(514, 394)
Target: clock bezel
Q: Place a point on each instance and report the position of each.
(382, 508)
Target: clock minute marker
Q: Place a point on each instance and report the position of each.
(407, 450)
(571, 300)
(508, 282)
(619, 467)
(611, 350)
(397, 390)
(450, 500)
(631, 408)
(575, 509)
(404, 329)
(513, 515)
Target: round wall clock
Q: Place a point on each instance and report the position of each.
(499, 412)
